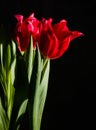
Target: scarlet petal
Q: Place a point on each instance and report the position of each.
(61, 26)
(63, 48)
(31, 16)
(53, 47)
(19, 18)
(76, 34)
(61, 30)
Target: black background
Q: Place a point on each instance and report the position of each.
(71, 94)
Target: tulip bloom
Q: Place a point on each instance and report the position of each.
(24, 29)
(55, 39)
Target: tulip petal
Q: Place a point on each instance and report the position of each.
(62, 49)
(61, 26)
(76, 34)
(61, 30)
(53, 47)
(19, 18)
(30, 18)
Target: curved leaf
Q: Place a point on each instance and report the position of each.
(21, 113)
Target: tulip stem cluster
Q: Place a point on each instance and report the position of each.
(25, 96)
(25, 68)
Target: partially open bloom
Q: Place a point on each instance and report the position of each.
(55, 39)
(24, 29)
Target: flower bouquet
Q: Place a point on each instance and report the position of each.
(25, 66)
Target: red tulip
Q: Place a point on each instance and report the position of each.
(24, 29)
(55, 39)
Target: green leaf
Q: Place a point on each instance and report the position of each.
(8, 57)
(22, 109)
(2, 69)
(29, 59)
(7, 74)
(13, 61)
(43, 89)
(38, 90)
(21, 112)
(3, 79)
(21, 88)
(4, 123)
(10, 75)
(33, 91)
